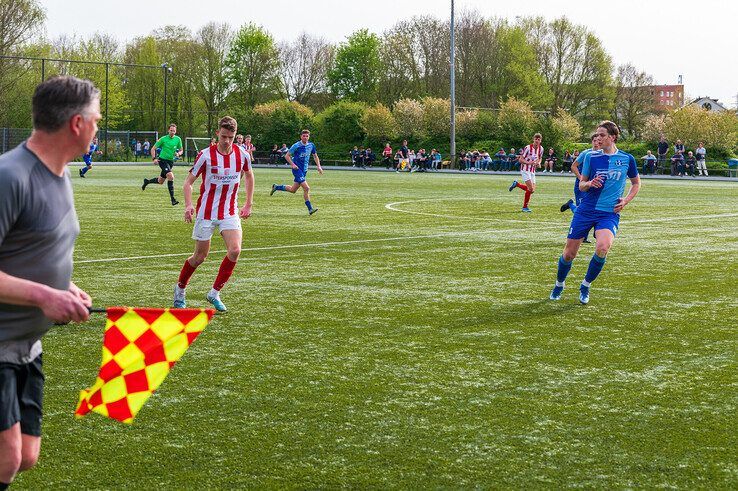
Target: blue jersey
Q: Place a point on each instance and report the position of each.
(301, 154)
(615, 170)
(88, 156)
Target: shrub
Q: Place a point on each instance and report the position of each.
(341, 122)
(409, 116)
(516, 122)
(277, 122)
(436, 116)
(379, 125)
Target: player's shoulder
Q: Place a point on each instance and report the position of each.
(16, 167)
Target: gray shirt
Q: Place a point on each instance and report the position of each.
(38, 227)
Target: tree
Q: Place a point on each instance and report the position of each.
(304, 66)
(633, 99)
(693, 124)
(278, 122)
(210, 81)
(379, 124)
(575, 66)
(341, 122)
(436, 117)
(253, 65)
(409, 116)
(355, 72)
(517, 122)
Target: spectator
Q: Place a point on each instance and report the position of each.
(370, 157)
(649, 163)
(436, 159)
(282, 152)
(387, 155)
(679, 147)
(354, 154)
(500, 157)
(689, 165)
(462, 160)
(663, 148)
(677, 163)
(486, 160)
(146, 147)
(274, 155)
(411, 159)
(422, 160)
(566, 162)
(139, 147)
(550, 162)
(399, 159)
(361, 158)
(512, 158)
(404, 161)
(701, 153)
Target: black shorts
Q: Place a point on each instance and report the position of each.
(22, 396)
(166, 167)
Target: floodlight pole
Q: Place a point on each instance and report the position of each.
(107, 78)
(166, 82)
(453, 87)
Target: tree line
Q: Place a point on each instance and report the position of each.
(552, 66)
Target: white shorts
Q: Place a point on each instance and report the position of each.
(528, 176)
(204, 228)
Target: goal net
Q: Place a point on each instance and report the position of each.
(193, 146)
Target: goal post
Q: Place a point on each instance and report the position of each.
(193, 146)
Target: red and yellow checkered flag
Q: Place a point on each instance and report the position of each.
(140, 347)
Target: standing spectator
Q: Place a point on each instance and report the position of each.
(679, 147)
(274, 155)
(689, 164)
(139, 148)
(550, 162)
(662, 150)
(38, 228)
(649, 163)
(567, 161)
(677, 163)
(701, 153)
(387, 155)
(146, 147)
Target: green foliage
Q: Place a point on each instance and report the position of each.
(379, 124)
(719, 130)
(356, 68)
(559, 130)
(436, 116)
(341, 122)
(277, 122)
(409, 116)
(517, 122)
(252, 65)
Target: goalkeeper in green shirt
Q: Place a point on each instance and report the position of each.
(170, 147)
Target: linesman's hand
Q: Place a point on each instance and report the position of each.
(64, 306)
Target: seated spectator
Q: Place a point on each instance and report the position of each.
(462, 160)
(370, 157)
(677, 162)
(499, 161)
(274, 155)
(282, 152)
(512, 159)
(387, 155)
(689, 165)
(486, 160)
(361, 158)
(411, 159)
(421, 160)
(566, 162)
(354, 155)
(548, 165)
(649, 163)
(435, 159)
(476, 162)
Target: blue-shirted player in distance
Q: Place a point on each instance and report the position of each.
(88, 157)
(299, 158)
(603, 180)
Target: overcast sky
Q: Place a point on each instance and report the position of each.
(697, 39)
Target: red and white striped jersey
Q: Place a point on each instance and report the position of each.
(531, 153)
(221, 175)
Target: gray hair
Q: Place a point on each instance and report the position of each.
(57, 99)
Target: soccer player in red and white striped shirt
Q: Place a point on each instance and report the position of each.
(529, 160)
(221, 167)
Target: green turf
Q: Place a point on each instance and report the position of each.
(371, 348)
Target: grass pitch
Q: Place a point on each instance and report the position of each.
(402, 337)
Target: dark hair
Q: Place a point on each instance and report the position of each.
(611, 128)
(228, 123)
(57, 99)
(305, 132)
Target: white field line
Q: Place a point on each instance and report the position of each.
(391, 206)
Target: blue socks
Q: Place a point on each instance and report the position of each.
(280, 187)
(85, 169)
(595, 266)
(564, 268)
(572, 207)
(310, 206)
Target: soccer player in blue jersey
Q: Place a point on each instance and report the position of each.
(603, 180)
(299, 158)
(88, 157)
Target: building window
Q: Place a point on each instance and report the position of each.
(662, 93)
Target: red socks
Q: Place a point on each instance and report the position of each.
(224, 272)
(526, 200)
(185, 274)
(522, 186)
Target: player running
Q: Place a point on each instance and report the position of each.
(299, 158)
(94, 148)
(603, 179)
(171, 148)
(529, 160)
(220, 167)
(576, 168)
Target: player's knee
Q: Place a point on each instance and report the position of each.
(234, 253)
(198, 258)
(170, 177)
(10, 463)
(28, 459)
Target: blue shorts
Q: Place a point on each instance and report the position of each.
(584, 221)
(88, 162)
(299, 175)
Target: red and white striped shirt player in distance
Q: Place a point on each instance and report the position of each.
(529, 160)
(221, 168)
